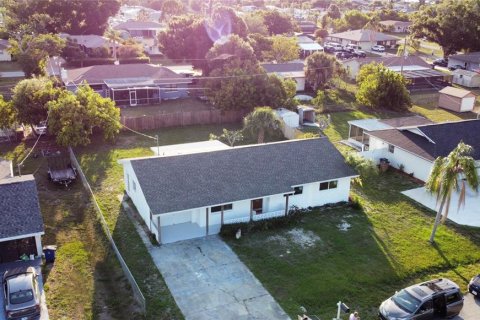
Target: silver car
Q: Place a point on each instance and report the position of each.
(439, 298)
(22, 293)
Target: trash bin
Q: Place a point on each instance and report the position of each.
(49, 252)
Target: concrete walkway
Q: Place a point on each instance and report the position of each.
(208, 280)
(468, 215)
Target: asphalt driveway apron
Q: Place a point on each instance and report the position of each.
(208, 281)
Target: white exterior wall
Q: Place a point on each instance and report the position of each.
(137, 196)
(467, 104)
(300, 83)
(4, 55)
(412, 163)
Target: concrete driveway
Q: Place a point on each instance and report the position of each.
(208, 281)
(468, 215)
(471, 309)
(36, 263)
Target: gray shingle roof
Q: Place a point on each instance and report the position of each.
(19, 208)
(363, 35)
(190, 181)
(283, 67)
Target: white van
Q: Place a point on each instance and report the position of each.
(352, 47)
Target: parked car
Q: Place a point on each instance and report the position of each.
(40, 128)
(474, 286)
(352, 47)
(378, 48)
(22, 293)
(442, 62)
(455, 67)
(344, 55)
(359, 54)
(328, 48)
(440, 298)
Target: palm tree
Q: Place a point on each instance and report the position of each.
(450, 174)
(114, 37)
(261, 120)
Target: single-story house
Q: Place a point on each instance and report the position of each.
(21, 223)
(456, 99)
(130, 84)
(145, 32)
(307, 45)
(192, 195)
(4, 54)
(307, 26)
(470, 79)
(289, 70)
(396, 26)
(414, 149)
(364, 38)
(353, 65)
(470, 61)
(89, 42)
(358, 129)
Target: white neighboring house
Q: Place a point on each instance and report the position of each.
(4, 54)
(396, 26)
(364, 38)
(191, 195)
(290, 70)
(145, 32)
(470, 61)
(21, 223)
(415, 148)
(470, 79)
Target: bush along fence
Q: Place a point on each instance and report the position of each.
(183, 119)
(138, 295)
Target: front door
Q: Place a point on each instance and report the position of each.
(257, 206)
(133, 98)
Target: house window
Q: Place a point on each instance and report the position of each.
(298, 190)
(391, 148)
(134, 185)
(328, 185)
(219, 208)
(171, 88)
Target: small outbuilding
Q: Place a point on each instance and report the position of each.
(470, 79)
(456, 99)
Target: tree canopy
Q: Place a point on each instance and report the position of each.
(452, 24)
(321, 67)
(283, 49)
(381, 88)
(260, 121)
(8, 115)
(235, 48)
(277, 23)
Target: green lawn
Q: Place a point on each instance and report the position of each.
(168, 106)
(426, 104)
(86, 281)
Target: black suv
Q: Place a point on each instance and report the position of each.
(440, 62)
(439, 298)
(474, 286)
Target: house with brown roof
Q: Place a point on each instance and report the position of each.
(130, 84)
(396, 26)
(456, 99)
(364, 38)
(415, 148)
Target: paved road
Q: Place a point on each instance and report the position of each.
(12, 74)
(471, 309)
(36, 264)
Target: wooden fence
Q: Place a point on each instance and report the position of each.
(179, 119)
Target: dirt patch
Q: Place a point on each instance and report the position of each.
(299, 237)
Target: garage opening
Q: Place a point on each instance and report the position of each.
(12, 250)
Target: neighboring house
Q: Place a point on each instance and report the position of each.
(470, 61)
(308, 46)
(307, 26)
(414, 68)
(130, 84)
(358, 130)
(290, 122)
(415, 148)
(21, 223)
(88, 43)
(290, 70)
(4, 54)
(6, 169)
(470, 79)
(364, 38)
(456, 99)
(396, 26)
(145, 32)
(191, 195)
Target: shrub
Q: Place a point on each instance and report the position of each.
(365, 167)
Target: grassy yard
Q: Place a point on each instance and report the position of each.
(426, 104)
(99, 162)
(168, 106)
(86, 281)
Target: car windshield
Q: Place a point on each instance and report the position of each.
(21, 296)
(406, 301)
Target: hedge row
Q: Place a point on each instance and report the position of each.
(103, 61)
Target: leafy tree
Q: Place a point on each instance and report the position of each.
(255, 24)
(283, 49)
(452, 24)
(228, 136)
(355, 19)
(277, 23)
(321, 67)
(260, 121)
(131, 51)
(72, 51)
(334, 12)
(172, 8)
(73, 117)
(225, 22)
(260, 45)
(319, 100)
(321, 3)
(380, 87)
(114, 37)
(100, 52)
(30, 98)
(321, 34)
(233, 49)
(8, 114)
(451, 174)
(275, 92)
(32, 51)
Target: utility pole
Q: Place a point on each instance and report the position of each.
(403, 54)
(158, 145)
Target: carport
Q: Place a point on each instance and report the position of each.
(21, 223)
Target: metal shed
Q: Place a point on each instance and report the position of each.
(456, 99)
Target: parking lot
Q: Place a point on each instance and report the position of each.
(36, 264)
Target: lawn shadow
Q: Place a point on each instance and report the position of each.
(448, 263)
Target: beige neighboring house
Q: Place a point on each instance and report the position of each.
(466, 78)
(396, 26)
(291, 70)
(4, 54)
(456, 99)
(353, 65)
(364, 38)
